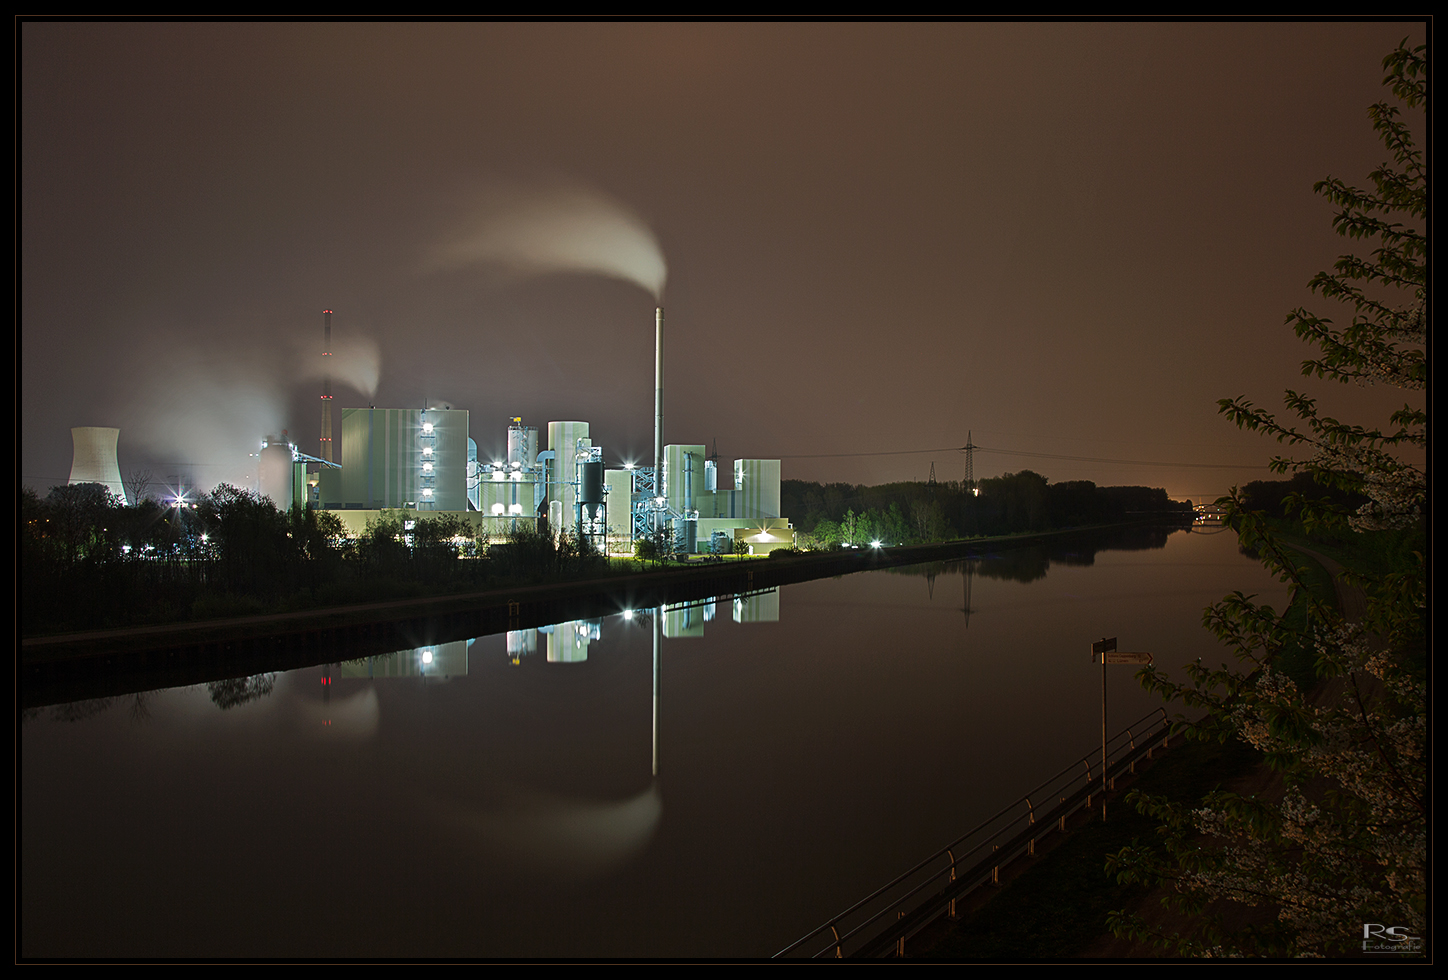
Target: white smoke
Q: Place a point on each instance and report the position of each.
(557, 228)
(207, 411)
(355, 362)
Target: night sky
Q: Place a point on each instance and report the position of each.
(1066, 239)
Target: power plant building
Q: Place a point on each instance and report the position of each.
(701, 513)
(424, 460)
(399, 459)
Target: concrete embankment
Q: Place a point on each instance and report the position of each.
(111, 662)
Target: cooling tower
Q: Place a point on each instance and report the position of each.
(95, 458)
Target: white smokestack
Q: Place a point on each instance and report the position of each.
(659, 401)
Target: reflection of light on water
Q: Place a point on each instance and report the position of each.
(537, 832)
(355, 715)
(436, 661)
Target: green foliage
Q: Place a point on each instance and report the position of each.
(1385, 342)
(1346, 842)
(652, 549)
(536, 554)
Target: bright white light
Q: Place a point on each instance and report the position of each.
(875, 543)
(427, 467)
(628, 466)
(427, 492)
(628, 614)
(515, 508)
(498, 509)
(427, 427)
(427, 656)
(427, 450)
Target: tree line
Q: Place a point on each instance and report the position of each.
(829, 514)
(90, 561)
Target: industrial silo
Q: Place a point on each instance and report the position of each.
(276, 472)
(567, 440)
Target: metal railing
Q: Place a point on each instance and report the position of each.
(881, 922)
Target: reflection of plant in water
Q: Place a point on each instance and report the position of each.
(140, 712)
(80, 710)
(91, 707)
(239, 690)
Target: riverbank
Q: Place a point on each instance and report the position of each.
(108, 662)
(1054, 906)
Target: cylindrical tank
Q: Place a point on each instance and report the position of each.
(522, 445)
(565, 439)
(590, 491)
(276, 474)
(521, 642)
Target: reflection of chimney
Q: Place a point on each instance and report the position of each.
(326, 447)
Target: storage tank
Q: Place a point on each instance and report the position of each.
(565, 439)
(276, 473)
(590, 489)
(522, 444)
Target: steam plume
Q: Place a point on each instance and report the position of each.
(356, 362)
(560, 228)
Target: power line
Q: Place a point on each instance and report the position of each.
(1017, 452)
(1127, 462)
(895, 452)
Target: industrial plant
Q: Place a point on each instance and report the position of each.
(425, 460)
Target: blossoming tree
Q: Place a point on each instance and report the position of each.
(1344, 843)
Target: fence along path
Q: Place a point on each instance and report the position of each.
(882, 922)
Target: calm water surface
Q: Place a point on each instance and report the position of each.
(488, 799)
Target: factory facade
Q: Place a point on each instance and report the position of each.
(399, 459)
(423, 461)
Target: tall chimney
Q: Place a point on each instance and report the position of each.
(327, 387)
(659, 403)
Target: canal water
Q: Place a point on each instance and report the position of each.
(559, 793)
